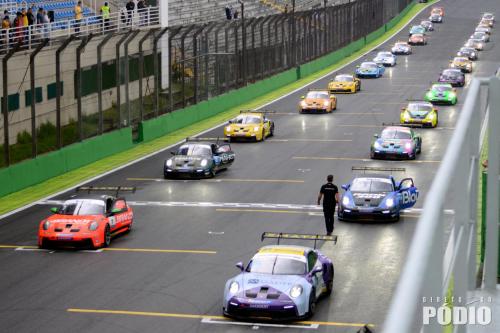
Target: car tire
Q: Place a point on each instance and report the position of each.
(107, 236)
(397, 218)
(312, 304)
(271, 132)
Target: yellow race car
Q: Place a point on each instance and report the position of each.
(317, 101)
(462, 63)
(419, 113)
(344, 83)
(250, 125)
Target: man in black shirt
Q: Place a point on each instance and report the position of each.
(330, 195)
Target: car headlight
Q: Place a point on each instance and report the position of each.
(228, 128)
(256, 128)
(431, 116)
(377, 145)
(326, 103)
(389, 202)
(204, 162)
(408, 145)
(46, 225)
(303, 104)
(234, 287)
(406, 116)
(452, 65)
(346, 201)
(296, 291)
(169, 163)
(93, 226)
(451, 95)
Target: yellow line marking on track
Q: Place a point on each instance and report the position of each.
(158, 250)
(357, 159)
(310, 140)
(198, 316)
(221, 180)
(262, 211)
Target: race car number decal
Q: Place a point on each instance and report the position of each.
(409, 197)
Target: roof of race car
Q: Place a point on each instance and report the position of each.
(460, 59)
(374, 177)
(290, 250)
(397, 128)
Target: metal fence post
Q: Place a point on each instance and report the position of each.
(195, 62)
(141, 71)
(99, 80)
(127, 74)
(118, 79)
(217, 61)
(183, 64)
(170, 65)
(59, 90)
(34, 139)
(79, 51)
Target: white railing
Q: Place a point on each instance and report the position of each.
(433, 262)
(29, 37)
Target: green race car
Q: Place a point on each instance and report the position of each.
(441, 93)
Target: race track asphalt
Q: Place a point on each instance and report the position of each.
(165, 290)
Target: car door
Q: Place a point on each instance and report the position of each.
(407, 193)
(225, 154)
(317, 279)
(120, 216)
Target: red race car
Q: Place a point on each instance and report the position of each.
(417, 39)
(89, 221)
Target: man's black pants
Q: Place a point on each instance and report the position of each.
(329, 212)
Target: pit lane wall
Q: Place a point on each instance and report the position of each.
(30, 172)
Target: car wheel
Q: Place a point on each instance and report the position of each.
(107, 236)
(437, 121)
(372, 155)
(271, 132)
(396, 219)
(312, 303)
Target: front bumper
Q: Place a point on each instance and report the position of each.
(62, 239)
(191, 173)
(454, 83)
(392, 154)
(314, 110)
(340, 90)
(242, 135)
(277, 310)
(366, 75)
(367, 214)
(417, 122)
(401, 52)
(440, 100)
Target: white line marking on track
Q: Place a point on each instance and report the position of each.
(218, 125)
(240, 323)
(32, 249)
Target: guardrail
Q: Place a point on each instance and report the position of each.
(31, 36)
(433, 263)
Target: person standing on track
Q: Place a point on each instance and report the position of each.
(329, 192)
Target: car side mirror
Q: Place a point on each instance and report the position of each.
(54, 210)
(345, 187)
(230, 122)
(240, 266)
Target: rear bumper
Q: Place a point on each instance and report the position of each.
(453, 83)
(312, 110)
(417, 123)
(341, 90)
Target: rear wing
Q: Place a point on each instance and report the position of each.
(377, 169)
(279, 236)
(199, 139)
(116, 189)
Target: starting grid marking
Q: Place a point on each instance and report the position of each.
(203, 204)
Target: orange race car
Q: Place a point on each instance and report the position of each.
(318, 101)
(437, 11)
(90, 221)
(417, 39)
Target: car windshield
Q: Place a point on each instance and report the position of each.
(247, 119)
(416, 107)
(369, 65)
(82, 207)
(466, 50)
(277, 265)
(394, 133)
(451, 73)
(317, 94)
(488, 16)
(194, 150)
(384, 54)
(344, 78)
(441, 88)
(460, 59)
(370, 185)
(401, 45)
(417, 35)
(478, 35)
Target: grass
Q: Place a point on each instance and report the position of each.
(69, 179)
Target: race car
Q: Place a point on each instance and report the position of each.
(453, 76)
(482, 36)
(385, 58)
(468, 52)
(376, 197)
(476, 44)
(250, 125)
(417, 29)
(462, 63)
(369, 69)
(417, 39)
(436, 18)
(419, 113)
(344, 83)
(281, 282)
(88, 221)
(401, 48)
(427, 25)
(487, 22)
(442, 93)
(483, 28)
(437, 10)
(318, 100)
(199, 158)
(396, 142)
(488, 16)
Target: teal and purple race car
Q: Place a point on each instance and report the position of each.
(396, 142)
(441, 93)
(281, 282)
(376, 197)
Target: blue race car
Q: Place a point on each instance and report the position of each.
(376, 197)
(281, 282)
(369, 69)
